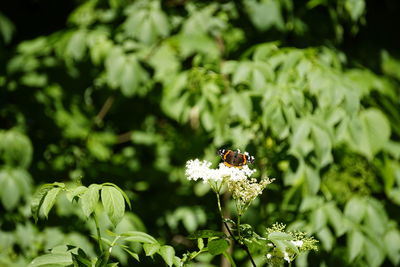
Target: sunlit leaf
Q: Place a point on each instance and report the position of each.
(113, 203)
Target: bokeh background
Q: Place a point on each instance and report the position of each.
(127, 91)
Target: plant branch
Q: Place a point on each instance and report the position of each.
(96, 221)
(104, 109)
(242, 245)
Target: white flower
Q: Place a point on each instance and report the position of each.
(196, 169)
(297, 243)
(286, 256)
(269, 256)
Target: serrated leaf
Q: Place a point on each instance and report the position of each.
(76, 192)
(206, 234)
(151, 248)
(56, 259)
(133, 254)
(38, 199)
(113, 203)
(89, 199)
(355, 242)
(127, 200)
(217, 246)
(136, 236)
(168, 254)
(49, 200)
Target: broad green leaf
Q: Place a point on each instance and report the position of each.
(355, 242)
(335, 218)
(113, 203)
(242, 106)
(313, 179)
(355, 8)
(76, 192)
(89, 199)
(322, 146)
(318, 219)
(327, 238)
(38, 199)
(9, 190)
(49, 200)
(242, 73)
(56, 259)
(217, 246)
(375, 132)
(168, 254)
(392, 244)
(136, 236)
(121, 191)
(6, 28)
(355, 209)
(77, 45)
(374, 254)
(151, 248)
(206, 234)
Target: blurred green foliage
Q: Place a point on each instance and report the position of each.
(127, 91)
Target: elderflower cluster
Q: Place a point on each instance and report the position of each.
(280, 253)
(197, 169)
(245, 191)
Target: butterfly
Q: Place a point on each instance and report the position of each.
(233, 158)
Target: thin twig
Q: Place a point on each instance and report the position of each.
(105, 108)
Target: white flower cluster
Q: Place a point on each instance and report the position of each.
(196, 169)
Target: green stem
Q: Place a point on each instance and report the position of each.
(230, 259)
(96, 221)
(238, 228)
(219, 206)
(113, 243)
(241, 244)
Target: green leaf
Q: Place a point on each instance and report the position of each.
(217, 246)
(355, 242)
(168, 254)
(355, 8)
(151, 248)
(313, 179)
(136, 236)
(76, 47)
(6, 28)
(242, 106)
(49, 200)
(133, 254)
(56, 259)
(374, 254)
(89, 199)
(38, 199)
(375, 132)
(113, 203)
(9, 191)
(355, 209)
(206, 234)
(326, 237)
(318, 219)
(279, 236)
(335, 217)
(76, 192)
(122, 193)
(392, 244)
